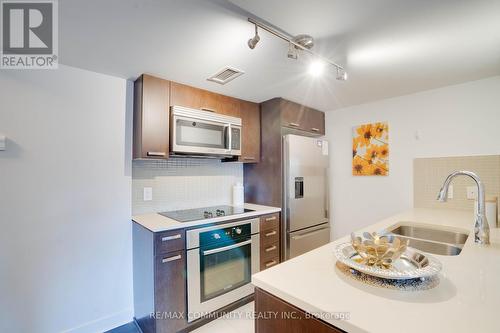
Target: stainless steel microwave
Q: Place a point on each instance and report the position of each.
(195, 132)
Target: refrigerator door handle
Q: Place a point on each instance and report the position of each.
(285, 241)
(327, 194)
(311, 232)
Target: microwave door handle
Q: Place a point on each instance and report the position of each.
(226, 248)
(229, 136)
(226, 136)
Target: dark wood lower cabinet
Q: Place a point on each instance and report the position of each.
(170, 291)
(269, 240)
(273, 315)
(159, 280)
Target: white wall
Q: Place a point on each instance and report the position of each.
(451, 121)
(65, 186)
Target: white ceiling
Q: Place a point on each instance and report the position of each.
(389, 47)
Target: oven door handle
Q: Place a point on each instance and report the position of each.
(225, 248)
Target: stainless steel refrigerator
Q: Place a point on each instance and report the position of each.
(305, 194)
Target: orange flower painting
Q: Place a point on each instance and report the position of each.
(370, 150)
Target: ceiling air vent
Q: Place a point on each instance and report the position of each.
(225, 75)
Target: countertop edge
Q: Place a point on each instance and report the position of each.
(155, 222)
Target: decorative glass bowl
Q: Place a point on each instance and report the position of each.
(378, 250)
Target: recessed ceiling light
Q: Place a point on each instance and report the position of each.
(316, 68)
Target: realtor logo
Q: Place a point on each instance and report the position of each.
(29, 34)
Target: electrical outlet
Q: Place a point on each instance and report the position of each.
(450, 192)
(471, 192)
(148, 194)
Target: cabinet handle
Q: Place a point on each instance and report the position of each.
(156, 153)
(314, 129)
(272, 233)
(271, 263)
(167, 238)
(249, 158)
(169, 259)
(208, 109)
(270, 218)
(294, 124)
(271, 248)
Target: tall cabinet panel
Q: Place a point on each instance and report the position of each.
(250, 118)
(151, 117)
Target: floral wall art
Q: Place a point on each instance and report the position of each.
(370, 149)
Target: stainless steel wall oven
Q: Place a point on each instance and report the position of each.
(220, 262)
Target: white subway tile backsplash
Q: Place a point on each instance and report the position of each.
(181, 183)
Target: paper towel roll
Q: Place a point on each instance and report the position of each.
(238, 194)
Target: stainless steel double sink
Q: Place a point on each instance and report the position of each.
(431, 239)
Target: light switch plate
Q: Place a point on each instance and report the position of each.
(2, 142)
(471, 192)
(450, 192)
(148, 194)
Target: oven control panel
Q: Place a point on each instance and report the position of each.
(225, 234)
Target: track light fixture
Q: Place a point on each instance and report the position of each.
(253, 41)
(341, 75)
(292, 51)
(295, 44)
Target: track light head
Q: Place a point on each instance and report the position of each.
(341, 75)
(252, 42)
(292, 51)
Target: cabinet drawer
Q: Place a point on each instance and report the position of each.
(265, 264)
(269, 236)
(269, 251)
(271, 221)
(169, 241)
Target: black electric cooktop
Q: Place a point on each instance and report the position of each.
(195, 214)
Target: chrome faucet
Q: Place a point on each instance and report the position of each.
(481, 228)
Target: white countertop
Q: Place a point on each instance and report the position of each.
(466, 300)
(156, 222)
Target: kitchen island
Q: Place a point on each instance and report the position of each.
(467, 298)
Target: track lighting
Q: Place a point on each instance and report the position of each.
(295, 44)
(304, 40)
(341, 75)
(292, 51)
(253, 41)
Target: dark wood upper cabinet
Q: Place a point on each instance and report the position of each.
(195, 98)
(292, 114)
(250, 119)
(301, 117)
(151, 117)
(314, 121)
(230, 106)
(191, 97)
